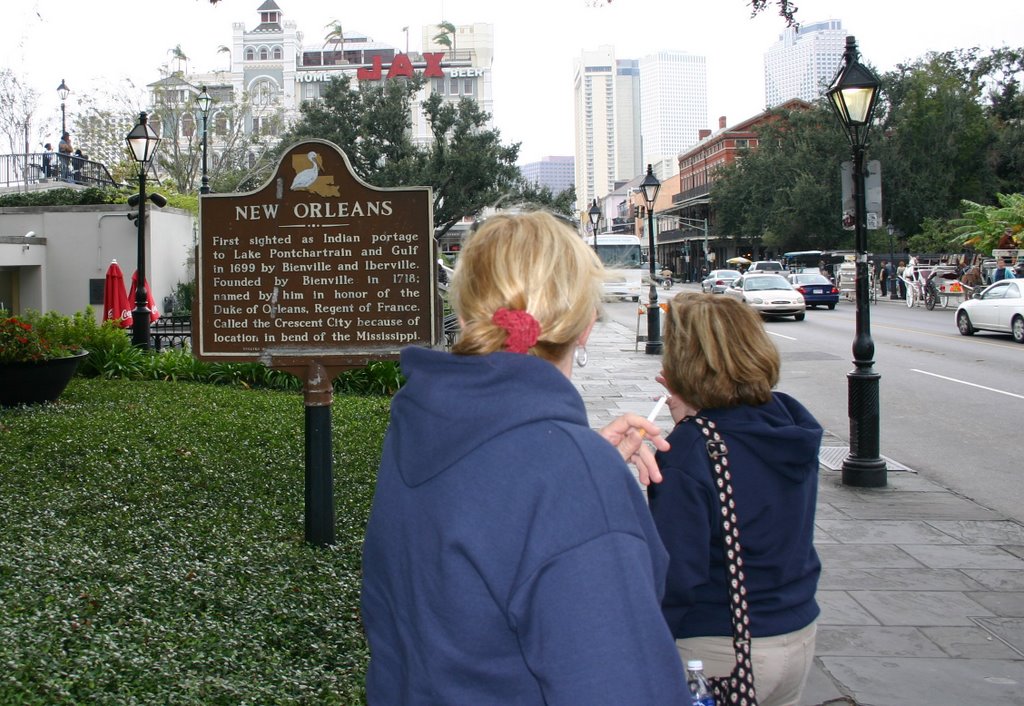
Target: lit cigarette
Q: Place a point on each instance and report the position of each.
(657, 408)
(655, 412)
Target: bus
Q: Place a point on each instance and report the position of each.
(621, 256)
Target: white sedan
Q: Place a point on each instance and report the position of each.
(769, 295)
(998, 307)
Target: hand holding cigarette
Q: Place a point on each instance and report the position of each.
(628, 432)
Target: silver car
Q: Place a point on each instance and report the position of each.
(769, 295)
(718, 281)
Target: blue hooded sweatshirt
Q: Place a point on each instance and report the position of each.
(510, 557)
(773, 458)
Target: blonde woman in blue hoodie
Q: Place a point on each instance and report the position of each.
(510, 557)
(719, 364)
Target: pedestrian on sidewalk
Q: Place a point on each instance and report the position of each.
(510, 556)
(720, 367)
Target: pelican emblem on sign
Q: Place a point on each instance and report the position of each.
(309, 176)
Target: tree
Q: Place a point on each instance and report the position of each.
(18, 102)
(335, 36)
(446, 37)
(466, 163)
(533, 194)
(937, 139)
(786, 191)
(1002, 72)
(982, 225)
(937, 236)
(178, 55)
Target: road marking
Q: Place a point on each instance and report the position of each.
(971, 384)
(772, 333)
(947, 336)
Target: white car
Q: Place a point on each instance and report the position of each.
(769, 295)
(998, 307)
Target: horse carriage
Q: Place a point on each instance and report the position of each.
(935, 285)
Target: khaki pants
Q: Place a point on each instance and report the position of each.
(781, 662)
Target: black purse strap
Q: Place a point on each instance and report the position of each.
(740, 684)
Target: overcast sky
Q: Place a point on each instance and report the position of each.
(91, 44)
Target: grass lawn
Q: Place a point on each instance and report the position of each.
(151, 548)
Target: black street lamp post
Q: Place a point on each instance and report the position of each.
(142, 141)
(852, 95)
(205, 101)
(650, 186)
(63, 91)
(595, 220)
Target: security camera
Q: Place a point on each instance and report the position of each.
(30, 234)
(158, 200)
(133, 200)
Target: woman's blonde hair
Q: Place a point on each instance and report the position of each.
(529, 262)
(717, 353)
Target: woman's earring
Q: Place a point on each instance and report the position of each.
(581, 356)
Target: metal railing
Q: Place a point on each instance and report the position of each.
(36, 168)
(174, 331)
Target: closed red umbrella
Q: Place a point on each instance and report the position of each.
(115, 302)
(150, 301)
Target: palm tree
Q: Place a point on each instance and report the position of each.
(335, 36)
(446, 37)
(178, 55)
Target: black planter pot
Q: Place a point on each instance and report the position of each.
(38, 381)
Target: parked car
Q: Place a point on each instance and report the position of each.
(765, 266)
(998, 307)
(817, 289)
(718, 281)
(769, 294)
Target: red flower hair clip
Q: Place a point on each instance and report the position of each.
(523, 330)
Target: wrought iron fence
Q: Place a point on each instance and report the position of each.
(37, 168)
(173, 331)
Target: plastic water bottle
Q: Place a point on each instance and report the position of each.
(700, 690)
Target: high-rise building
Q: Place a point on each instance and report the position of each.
(607, 115)
(673, 107)
(556, 173)
(803, 62)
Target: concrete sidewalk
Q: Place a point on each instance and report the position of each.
(922, 590)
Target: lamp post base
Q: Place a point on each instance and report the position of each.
(864, 467)
(864, 473)
(653, 346)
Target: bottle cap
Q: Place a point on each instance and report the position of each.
(694, 664)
